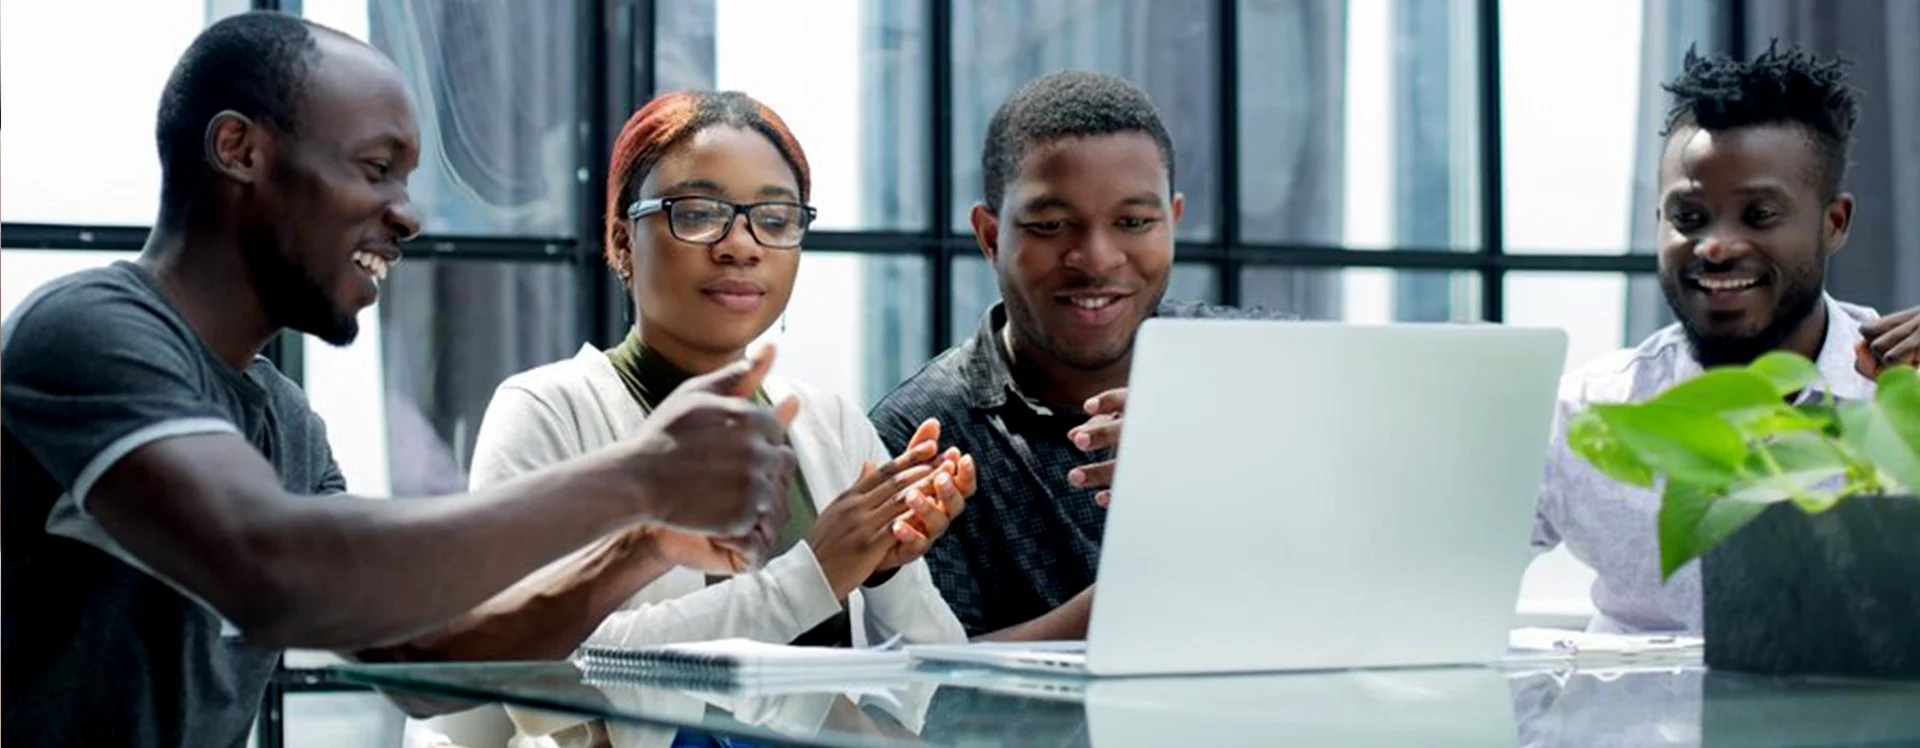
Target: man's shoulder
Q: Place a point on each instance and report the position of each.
(1855, 314)
(939, 387)
(100, 309)
(1205, 310)
(93, 292)
(1612, 377)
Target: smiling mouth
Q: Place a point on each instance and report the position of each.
(1725, 283)
(1094, 309)
(372, 264)
(1092, 302)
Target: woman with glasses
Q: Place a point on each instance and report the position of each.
(706, 213)
(706, 206)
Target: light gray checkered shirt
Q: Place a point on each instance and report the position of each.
(1611, 526)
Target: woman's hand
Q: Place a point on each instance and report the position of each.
(855, 531)
(931, 503)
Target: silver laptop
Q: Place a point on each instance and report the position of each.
(1305, 496)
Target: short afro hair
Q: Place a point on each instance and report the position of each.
(1775, 87)
(253, 63)
(1065, 104)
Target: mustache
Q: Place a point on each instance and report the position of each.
(1700, 267)
(1094, 284)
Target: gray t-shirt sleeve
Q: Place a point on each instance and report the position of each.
(331, 480)
(93, 371)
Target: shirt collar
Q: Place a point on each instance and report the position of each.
(1835, 362)
(988, 371)
(989, 368)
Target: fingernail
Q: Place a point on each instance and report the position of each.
(1093, 405)
(1076, 477)
(1082, 441)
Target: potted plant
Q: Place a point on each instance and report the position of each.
(1804, 516)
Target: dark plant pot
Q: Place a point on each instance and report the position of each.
(1837, 593)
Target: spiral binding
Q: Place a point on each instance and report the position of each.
(658, 666)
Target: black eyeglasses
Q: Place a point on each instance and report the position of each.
(778, 224)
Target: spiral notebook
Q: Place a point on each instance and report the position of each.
(735, 662)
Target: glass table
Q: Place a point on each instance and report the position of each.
(1673, 701)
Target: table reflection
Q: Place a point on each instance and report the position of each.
(552, 706)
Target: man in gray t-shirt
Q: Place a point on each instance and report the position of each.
(98, 363)
(171, 516)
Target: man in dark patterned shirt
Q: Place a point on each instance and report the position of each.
(1078, 222)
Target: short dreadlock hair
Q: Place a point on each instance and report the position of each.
(1775, 87)
(1065, 104)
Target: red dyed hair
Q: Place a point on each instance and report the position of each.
(666, 122)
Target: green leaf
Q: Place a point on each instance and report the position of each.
(1788, 372)
(1803, 467)
(1813, 490)
(1825, 415)
(1721, 391)
(1887, 430)
(1683, 445)
(1774, 420)
(1588, 437)
(1693, 521)
(1802, 451)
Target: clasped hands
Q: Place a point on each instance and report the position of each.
(889, 518)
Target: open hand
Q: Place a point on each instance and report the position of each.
(1102, 431)
(710, 461)
(855, 531)
(1893, 340)
(932, 502)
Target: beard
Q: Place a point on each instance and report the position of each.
(1799, 295)
(1027, 326)
(292, 296)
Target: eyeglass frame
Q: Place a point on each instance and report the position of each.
(643, 208)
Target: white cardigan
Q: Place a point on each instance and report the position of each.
(569, 408)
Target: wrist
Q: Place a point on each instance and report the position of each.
(639, 544)
(624, 479)
(842, 575)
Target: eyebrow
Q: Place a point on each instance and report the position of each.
(1043, 202)
(774, 190)
(1764, 189)
(388, 141)
(698, 184)
(692, 185)
(1047, 202)
(1691, 189)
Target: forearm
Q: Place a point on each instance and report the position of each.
(544, 620)
(339, 572)
(370, 573)
(1069, 621)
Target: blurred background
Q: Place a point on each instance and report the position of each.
(1358, 160)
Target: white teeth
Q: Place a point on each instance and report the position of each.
(1094, 302)
(374, 264)
(1725, 284)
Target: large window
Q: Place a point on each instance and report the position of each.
(1360, 160)
(1358, 123)
(849, 77)
(499, 154)
(1000, 45)
(89, 159)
